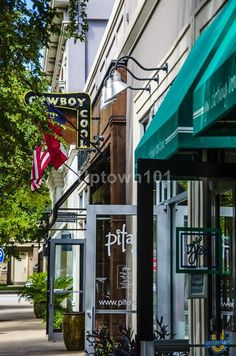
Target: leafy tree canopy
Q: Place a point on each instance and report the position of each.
(24, 31)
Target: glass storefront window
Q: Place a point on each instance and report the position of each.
(170, 289)
(115, 271)
(179, 280)
(227, 282)
(67, 282)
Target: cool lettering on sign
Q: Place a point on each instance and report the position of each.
(120, 238)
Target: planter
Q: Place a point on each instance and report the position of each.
(39, 309)
(73, 331)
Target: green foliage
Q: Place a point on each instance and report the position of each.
(24, 31)
(35, 288)
(58, 318)
(20, 213)
(21, 128)
(226, 199)
(182, 185)
(78, 26)
(121, 344)
(64, 283)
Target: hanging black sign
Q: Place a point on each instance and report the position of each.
(78, 102)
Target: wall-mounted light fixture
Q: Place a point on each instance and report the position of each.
(113, 85)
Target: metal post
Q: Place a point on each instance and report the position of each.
(144, 255)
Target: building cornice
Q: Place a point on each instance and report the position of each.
(53, 54)
(58, 59)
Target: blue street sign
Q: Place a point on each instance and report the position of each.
(1, 255)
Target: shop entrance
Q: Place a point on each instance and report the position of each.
(204, 173)
(111, 267)
(65, 282)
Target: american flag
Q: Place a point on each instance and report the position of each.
(56, 150)
(53, 152)
(41, 159)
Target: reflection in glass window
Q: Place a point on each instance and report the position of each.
(180, 280)
(227, 283)
(115, 271)
(67, 282)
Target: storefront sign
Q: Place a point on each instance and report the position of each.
(115, 263)
(216, 96)
(218, 346)
(79, 103)
(120, 238)
(63, 216)
(2, 255)
(199, 250)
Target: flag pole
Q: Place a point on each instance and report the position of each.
(72, 170)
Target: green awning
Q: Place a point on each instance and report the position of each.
(214, 98)
(171, 129)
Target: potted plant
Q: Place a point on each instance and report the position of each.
(73, 329)
(35, 290)
(63, 283)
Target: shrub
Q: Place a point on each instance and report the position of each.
(121, 344)
(35, 290)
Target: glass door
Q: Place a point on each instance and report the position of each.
(115, 271)
(111, 267)
(224, 306)
(170, 301)
(65, 283)
(179, 288)
(111, 288)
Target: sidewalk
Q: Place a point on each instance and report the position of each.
(22, 334)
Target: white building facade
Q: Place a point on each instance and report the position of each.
(154, 33)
